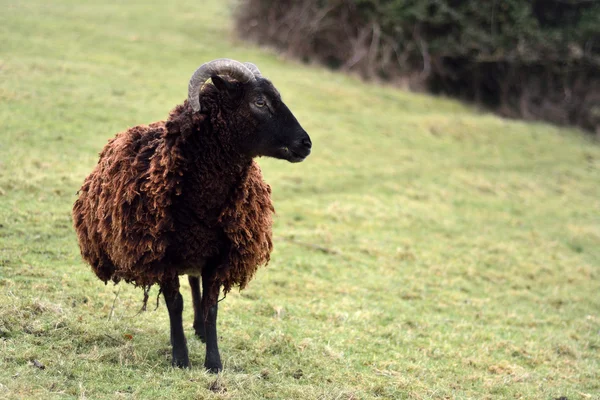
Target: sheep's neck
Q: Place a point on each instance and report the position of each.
(212, 174)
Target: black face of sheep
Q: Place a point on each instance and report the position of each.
(274, 132)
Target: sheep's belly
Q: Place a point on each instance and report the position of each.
(193, 270)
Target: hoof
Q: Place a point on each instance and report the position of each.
(180, 363)
(214, 368)
(181, 360)
(201, 336)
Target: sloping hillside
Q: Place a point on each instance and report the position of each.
(423, 251)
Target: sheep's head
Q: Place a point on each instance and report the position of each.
(254, 109)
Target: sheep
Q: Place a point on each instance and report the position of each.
(184, 196)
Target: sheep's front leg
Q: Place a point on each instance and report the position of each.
(174, 302)
(198, 315)
(209, 307)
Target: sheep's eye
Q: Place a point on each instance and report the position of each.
(260, 103)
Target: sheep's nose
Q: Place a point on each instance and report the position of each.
(306, 142)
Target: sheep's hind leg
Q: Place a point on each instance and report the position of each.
(198, 316)
(174, 302)
(209, 307)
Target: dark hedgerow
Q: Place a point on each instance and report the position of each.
(534, 59)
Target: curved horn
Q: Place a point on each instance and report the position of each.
(221, 66)
(254, 69)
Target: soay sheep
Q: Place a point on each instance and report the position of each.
(184, 196)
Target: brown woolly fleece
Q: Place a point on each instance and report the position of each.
(167, 197)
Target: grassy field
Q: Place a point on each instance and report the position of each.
(423, 251)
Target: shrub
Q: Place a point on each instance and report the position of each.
(536, 59)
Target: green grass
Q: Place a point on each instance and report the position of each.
(423, 251)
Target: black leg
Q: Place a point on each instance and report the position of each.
(211, 289)
(198, 316)
(174, 302)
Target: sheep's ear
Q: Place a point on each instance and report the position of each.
(231, 88)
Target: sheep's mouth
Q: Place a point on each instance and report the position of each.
(296, 155)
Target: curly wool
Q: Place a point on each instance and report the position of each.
(166, 196)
